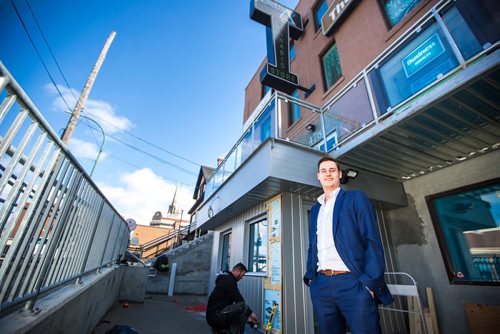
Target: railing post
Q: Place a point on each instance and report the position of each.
(323, 129)
(50, 253)
(370, 96)
(106, 243)
(277, 117)
(87, 253)
(449, 38)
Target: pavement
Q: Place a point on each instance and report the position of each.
(158, 314)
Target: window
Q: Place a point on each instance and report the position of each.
(409, 70)
(265, 89)
(467, 223)
(226, 251)
(319, 11)
(293, 109)
(331, 66)
(257, 252)
(396, 10)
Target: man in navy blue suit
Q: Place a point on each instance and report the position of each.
(345, 263)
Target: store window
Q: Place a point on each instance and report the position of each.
(257, 252)
(226, 251)
(467, 223)
(331, 66)
(293, 109)
(319, 10)
(396, 10)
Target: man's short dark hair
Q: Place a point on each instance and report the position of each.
(328, 158)
(241, 267)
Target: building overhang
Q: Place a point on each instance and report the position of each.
(278, 166)
(456, 120)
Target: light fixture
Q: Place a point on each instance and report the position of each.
(311, 127)
(348, 174)
(351, 173)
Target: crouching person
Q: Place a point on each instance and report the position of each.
(227, 311)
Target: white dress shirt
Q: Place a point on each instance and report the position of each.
(328, 257)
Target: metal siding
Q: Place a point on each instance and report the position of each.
(250, 286)
(252, 289)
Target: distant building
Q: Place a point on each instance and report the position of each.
(172, 219)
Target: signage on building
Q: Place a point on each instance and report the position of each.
(424, 54)
(281, 24)
(337, 10)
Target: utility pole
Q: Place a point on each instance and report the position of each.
(86, 90)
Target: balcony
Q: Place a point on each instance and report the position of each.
(427, 102)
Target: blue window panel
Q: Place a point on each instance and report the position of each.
(318, 14)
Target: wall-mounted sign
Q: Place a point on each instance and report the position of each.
(337, 10)
(423, 55)
(281, 24)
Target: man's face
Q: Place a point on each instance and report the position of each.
(239, 274)
(329, 175)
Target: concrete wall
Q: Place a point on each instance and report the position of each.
(133, 287)
(193, 269)
(71, 309)
(417, 248)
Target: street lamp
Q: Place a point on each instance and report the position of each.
(102, 143)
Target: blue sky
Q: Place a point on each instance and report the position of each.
(175, 76)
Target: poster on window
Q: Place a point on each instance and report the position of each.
(272, 308)
(275, 218)
(276, 263)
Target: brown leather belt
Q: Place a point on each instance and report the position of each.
(330, 272)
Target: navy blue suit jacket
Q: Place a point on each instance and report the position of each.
(357, 239)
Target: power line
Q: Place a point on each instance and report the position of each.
(38, 53)
(147, 153)
(147, 142)
(56, 62)
(154, 156)
(50, 49)
(139, 167)
(71, 91)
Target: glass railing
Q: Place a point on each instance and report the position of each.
(434, 48)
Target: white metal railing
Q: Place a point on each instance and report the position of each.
(55, 224)
(335, 124)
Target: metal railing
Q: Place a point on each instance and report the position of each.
(55, 224)
(363, 102)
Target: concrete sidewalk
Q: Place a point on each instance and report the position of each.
(158, 314)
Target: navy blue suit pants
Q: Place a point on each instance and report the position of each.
(342, 299)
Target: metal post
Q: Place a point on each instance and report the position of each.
(87, 253)
(449, 38)
(370, 96)
(68, 131)
(321, 116)
(106, 243)
(50, 253)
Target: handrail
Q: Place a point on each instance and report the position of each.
(57, 226)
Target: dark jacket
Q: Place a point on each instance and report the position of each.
(225, 293)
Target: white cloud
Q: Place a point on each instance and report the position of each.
(98, 110)
(85, 150)
(142, 193)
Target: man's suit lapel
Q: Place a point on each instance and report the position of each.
(336, 210)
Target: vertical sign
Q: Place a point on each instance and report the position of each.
(272, 283)
(281, 24)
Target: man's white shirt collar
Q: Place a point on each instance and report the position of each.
(333, 194)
